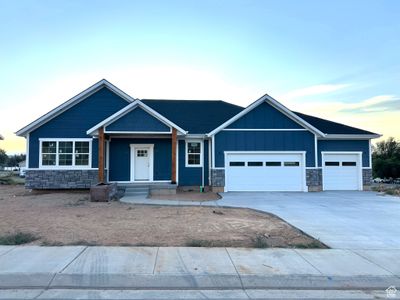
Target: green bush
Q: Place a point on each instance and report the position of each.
(18, 238)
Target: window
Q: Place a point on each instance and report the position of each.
(254, 164)
(331, 163)
(273, 163)
(236, 164)
(291, 164)
(193, 154)
(141, 153)
(65, 153)
(349, 163)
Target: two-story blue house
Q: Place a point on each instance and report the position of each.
(104, 135)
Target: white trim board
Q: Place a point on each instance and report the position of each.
(264, 129)
(127, 109)
(274, 103)
(350, 136)
(72, 102)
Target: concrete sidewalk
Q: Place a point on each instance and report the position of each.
(195, 268)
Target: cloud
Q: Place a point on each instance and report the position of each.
(313, 90)
(379, 103)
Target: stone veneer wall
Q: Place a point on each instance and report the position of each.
(61, 179)
(218, 177)
(367, 177)
(314, 180)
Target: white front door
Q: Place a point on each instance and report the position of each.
(247, 171)
(141, 162)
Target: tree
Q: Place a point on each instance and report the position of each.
(386, 159)
(3, 158)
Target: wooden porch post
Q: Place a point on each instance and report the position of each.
(173, 160)
(101, 155)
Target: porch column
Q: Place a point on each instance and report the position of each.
(173, 160)
(101, 155)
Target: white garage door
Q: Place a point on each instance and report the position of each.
(341, 171)
(248, 171)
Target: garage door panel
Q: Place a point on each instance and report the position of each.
(264, 172)
(341, 171)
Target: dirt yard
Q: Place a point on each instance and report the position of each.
(61, 218)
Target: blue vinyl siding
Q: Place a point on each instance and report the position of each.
(191, 176)
(265, 116)
(138, 120)
(264, 141)
(120, 158)
(345, 145)
(74, 122)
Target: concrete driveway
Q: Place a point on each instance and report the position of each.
(342, 220)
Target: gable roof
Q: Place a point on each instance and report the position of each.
(196, 116)
(137, 103)
(280, 107)
(71, 102)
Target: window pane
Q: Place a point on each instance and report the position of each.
(349, 163)
(48, 159)
(291, 164)
(193, 159)
(65, 147)
(81, 159)
(49, 147)
(273, 163)
(236, 164)
(194, 147)
(331, 163)
(81, 147)
(255, 163)
(65, 159)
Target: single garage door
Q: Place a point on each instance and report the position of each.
(248, 171)
(341, 171)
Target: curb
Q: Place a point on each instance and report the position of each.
(178, 281)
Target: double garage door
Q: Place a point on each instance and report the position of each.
(265, 172)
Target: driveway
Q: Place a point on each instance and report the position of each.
(342, 220)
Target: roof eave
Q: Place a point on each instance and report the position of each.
(351, 136)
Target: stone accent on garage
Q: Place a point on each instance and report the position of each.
(217, 180)
(61, 179)
(314, 180)
(367, 178)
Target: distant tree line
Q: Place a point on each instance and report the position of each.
(10, 160)
(386, 159)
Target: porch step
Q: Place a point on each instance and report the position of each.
(137, 191)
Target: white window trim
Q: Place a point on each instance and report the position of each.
(201, 153)
(73, 167)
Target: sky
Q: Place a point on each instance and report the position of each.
(338, 60)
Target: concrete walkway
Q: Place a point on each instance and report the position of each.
(80, 267)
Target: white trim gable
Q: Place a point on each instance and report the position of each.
(72, 102)
(137, 103)
(275, 104)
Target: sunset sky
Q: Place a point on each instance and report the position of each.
(335, 59)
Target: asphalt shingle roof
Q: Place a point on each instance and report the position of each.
(331, 127)
(195, 116)
(203, 116)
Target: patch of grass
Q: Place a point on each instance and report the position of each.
(312, 245)
(260, 241)
(199, 243)
(82, 243)
(18, 238)
(11, 180)
(51, 243)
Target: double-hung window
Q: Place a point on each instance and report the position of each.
(65, 153)
(194, 151)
